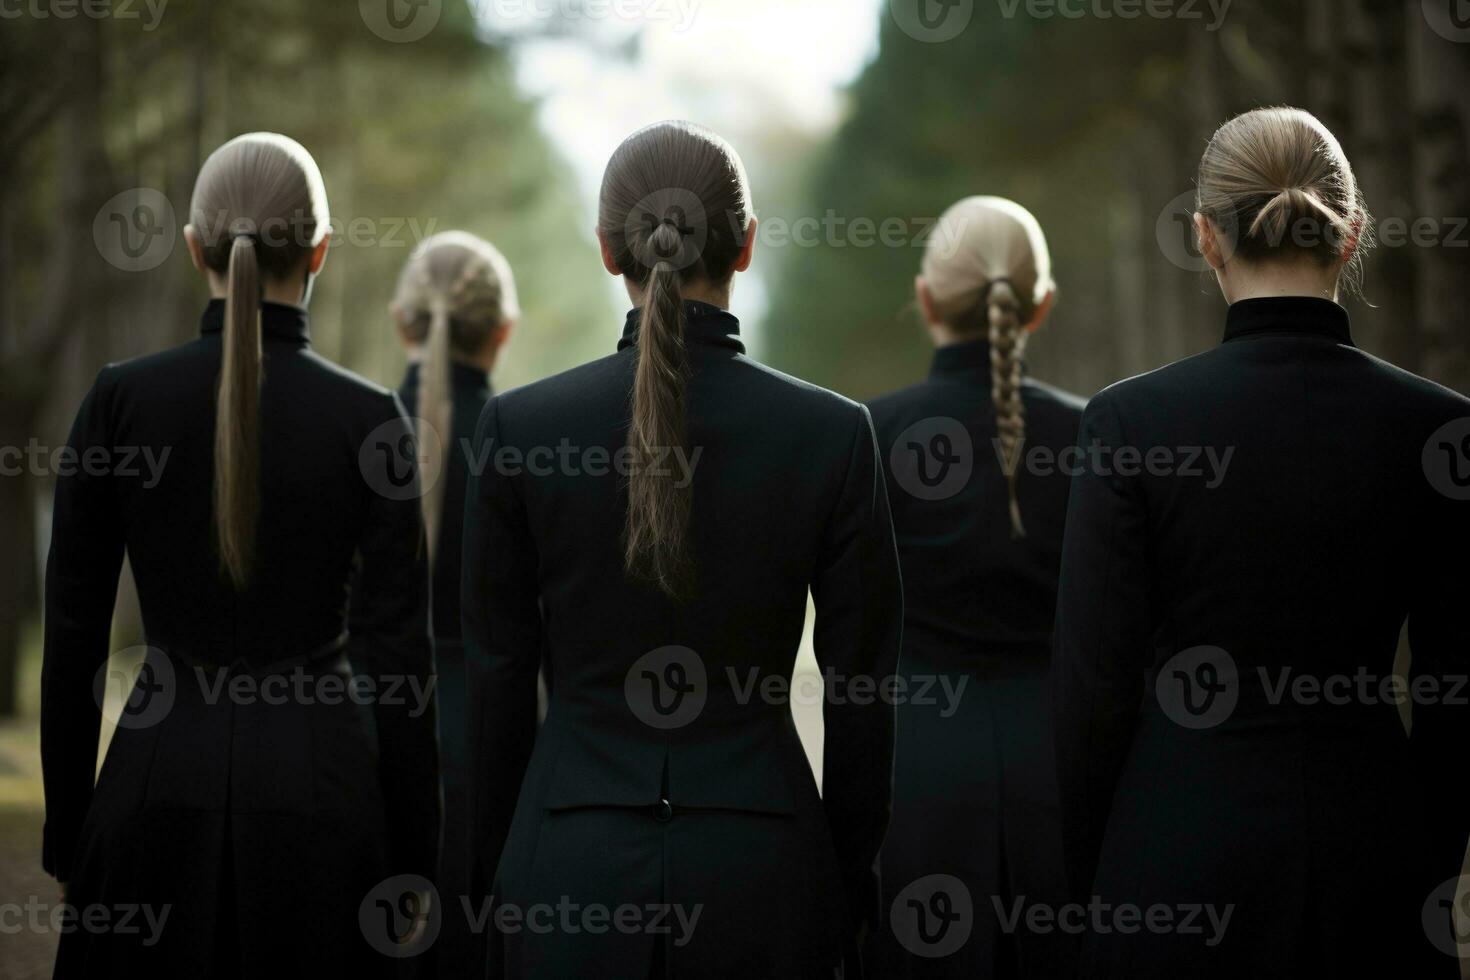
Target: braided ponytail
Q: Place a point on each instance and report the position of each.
(1007, 343)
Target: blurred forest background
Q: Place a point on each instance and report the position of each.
(1095, 123)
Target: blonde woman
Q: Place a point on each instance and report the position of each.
(242, 800)
(1232, 757)
(453, 310)
(975, 825)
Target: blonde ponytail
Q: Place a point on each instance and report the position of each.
(1007, 344)
(435, 410)
(259, 210)
(237, 417)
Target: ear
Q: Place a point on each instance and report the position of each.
(196, 248)
(1043, 311)
(608, 262)
(926, 302)
(319, 254)
(501, 334)
(747, 251)
(401, 324)
(1209, 241)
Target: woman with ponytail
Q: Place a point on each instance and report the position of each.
(453, 310)
(242, 799)
(979, 538)
(1231, 721)
(650, 524)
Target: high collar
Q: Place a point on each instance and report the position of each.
(703, 324)
(966, 359)
(277, 320)
(1289, 315)
(462, 377)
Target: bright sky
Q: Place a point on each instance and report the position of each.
(744, 68)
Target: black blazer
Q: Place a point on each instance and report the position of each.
(320, 505)
(968, 584)
(788, 495)
(1192, 589)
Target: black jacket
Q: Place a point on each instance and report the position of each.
(1217, 607)
(221, 805)
(697, 793)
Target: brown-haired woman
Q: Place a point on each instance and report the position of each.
(652, 522)
(975, 825)
(1240, 798)
(454, 309)
(242, 798)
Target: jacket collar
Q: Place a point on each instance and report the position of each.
(277, 320)
(966, 359)
(703, 324)
(1289, 315)
(462, 377)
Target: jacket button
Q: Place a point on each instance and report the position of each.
(664, 812)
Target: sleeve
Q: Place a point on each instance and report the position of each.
(1102, 642)
(501, 617)
(1439, 646)
(859, 623)
(392, 646)
(81, 588)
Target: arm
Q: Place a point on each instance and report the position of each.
(859, 600)
(390, 612)
(81, 588)
(1102, 644)
(501, 616)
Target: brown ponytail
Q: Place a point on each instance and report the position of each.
(259, 210)
(237, 418)
(675, 209)
(1007, 343)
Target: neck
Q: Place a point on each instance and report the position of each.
(1272, 280)
(285, 291)
(701, 291)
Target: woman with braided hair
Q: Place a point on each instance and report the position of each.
(651, 527)
(454, 309)
(979, 539)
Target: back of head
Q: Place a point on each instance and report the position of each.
(987, 269)
(454, 292)
(674, 209)
(259, 210)
(1279, 187)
